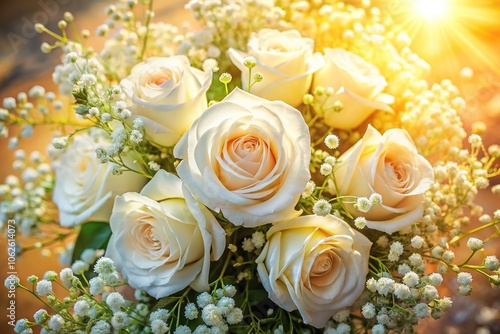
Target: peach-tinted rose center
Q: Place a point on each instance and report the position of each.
(248, 159)
(322, 264)
(159, 79)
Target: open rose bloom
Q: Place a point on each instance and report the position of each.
(168, 95)
(285, 59)
(163, 240)
(247, 157)
(389, 165)
(317, 265)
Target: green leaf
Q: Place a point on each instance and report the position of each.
(94, 235)
(82, 110)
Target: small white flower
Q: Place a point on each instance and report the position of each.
(111, 279)
(154, 166)
(59, 142)
(342, 315)
(368, 311)
(360, 222)
(120, 320)
(371, 284)
(402, 291)
(325, 169)
(332, 141)
(136, 136)
(445, 303)
(385, 286)
(258, 239)
(395, 251)
(225, 304)
(422, 310)
(80, 267)
(211, 315)
(448, 256)
(464, 278)
(41, 316)
(94, 112)
(101, 327)
(429, 292)
(20, 325)
(159, 327)
(106, 117)
(378, 329)
(363, 204)
(230, 290)
(138, 123)
(96, 285)
(403, 269)
(190, 311)
(161, 314)
(204, 299)
(89, 256)
(234, 316)
(375, 199)
(474, 244)
(71, 57)
(465, 289)
(309, 189)
(9, 103)
(125, 114)
(104, 266)
(56, 322)
(436, 279)
(81, 308)
(115, 301)
(411, 279)
(43, 287)
(417, 242)
(322, 207)
(491, 262)
(182, 329)
(87, 80)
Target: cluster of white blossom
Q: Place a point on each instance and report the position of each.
(26, 199)
(98, 309)
(227, 25)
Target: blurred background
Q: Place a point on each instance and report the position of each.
(449, 34)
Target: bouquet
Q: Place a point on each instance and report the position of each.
(286, 168)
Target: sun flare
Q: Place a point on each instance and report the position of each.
(431, 9)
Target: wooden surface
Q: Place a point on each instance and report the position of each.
(22, 65)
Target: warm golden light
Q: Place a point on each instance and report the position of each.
(453, 33)
(431, 9)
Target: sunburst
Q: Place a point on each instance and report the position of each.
(454, 33)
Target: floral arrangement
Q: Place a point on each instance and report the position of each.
(292, 173)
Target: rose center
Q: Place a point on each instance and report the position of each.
(153, 239)
(322, 264)
(159, 79)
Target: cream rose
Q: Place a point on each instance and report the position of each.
(286, 61)
(85, 188)
(247, 157)
(358, 87)
(389, 165)
(168, 94)
(163, 239)
(315, 264)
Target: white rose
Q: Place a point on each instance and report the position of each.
(285, 60)
(168, 94)
(85, 188)
(247, 157)
(315, 264)
(358, 87)
(389, 165)
(163, 239)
